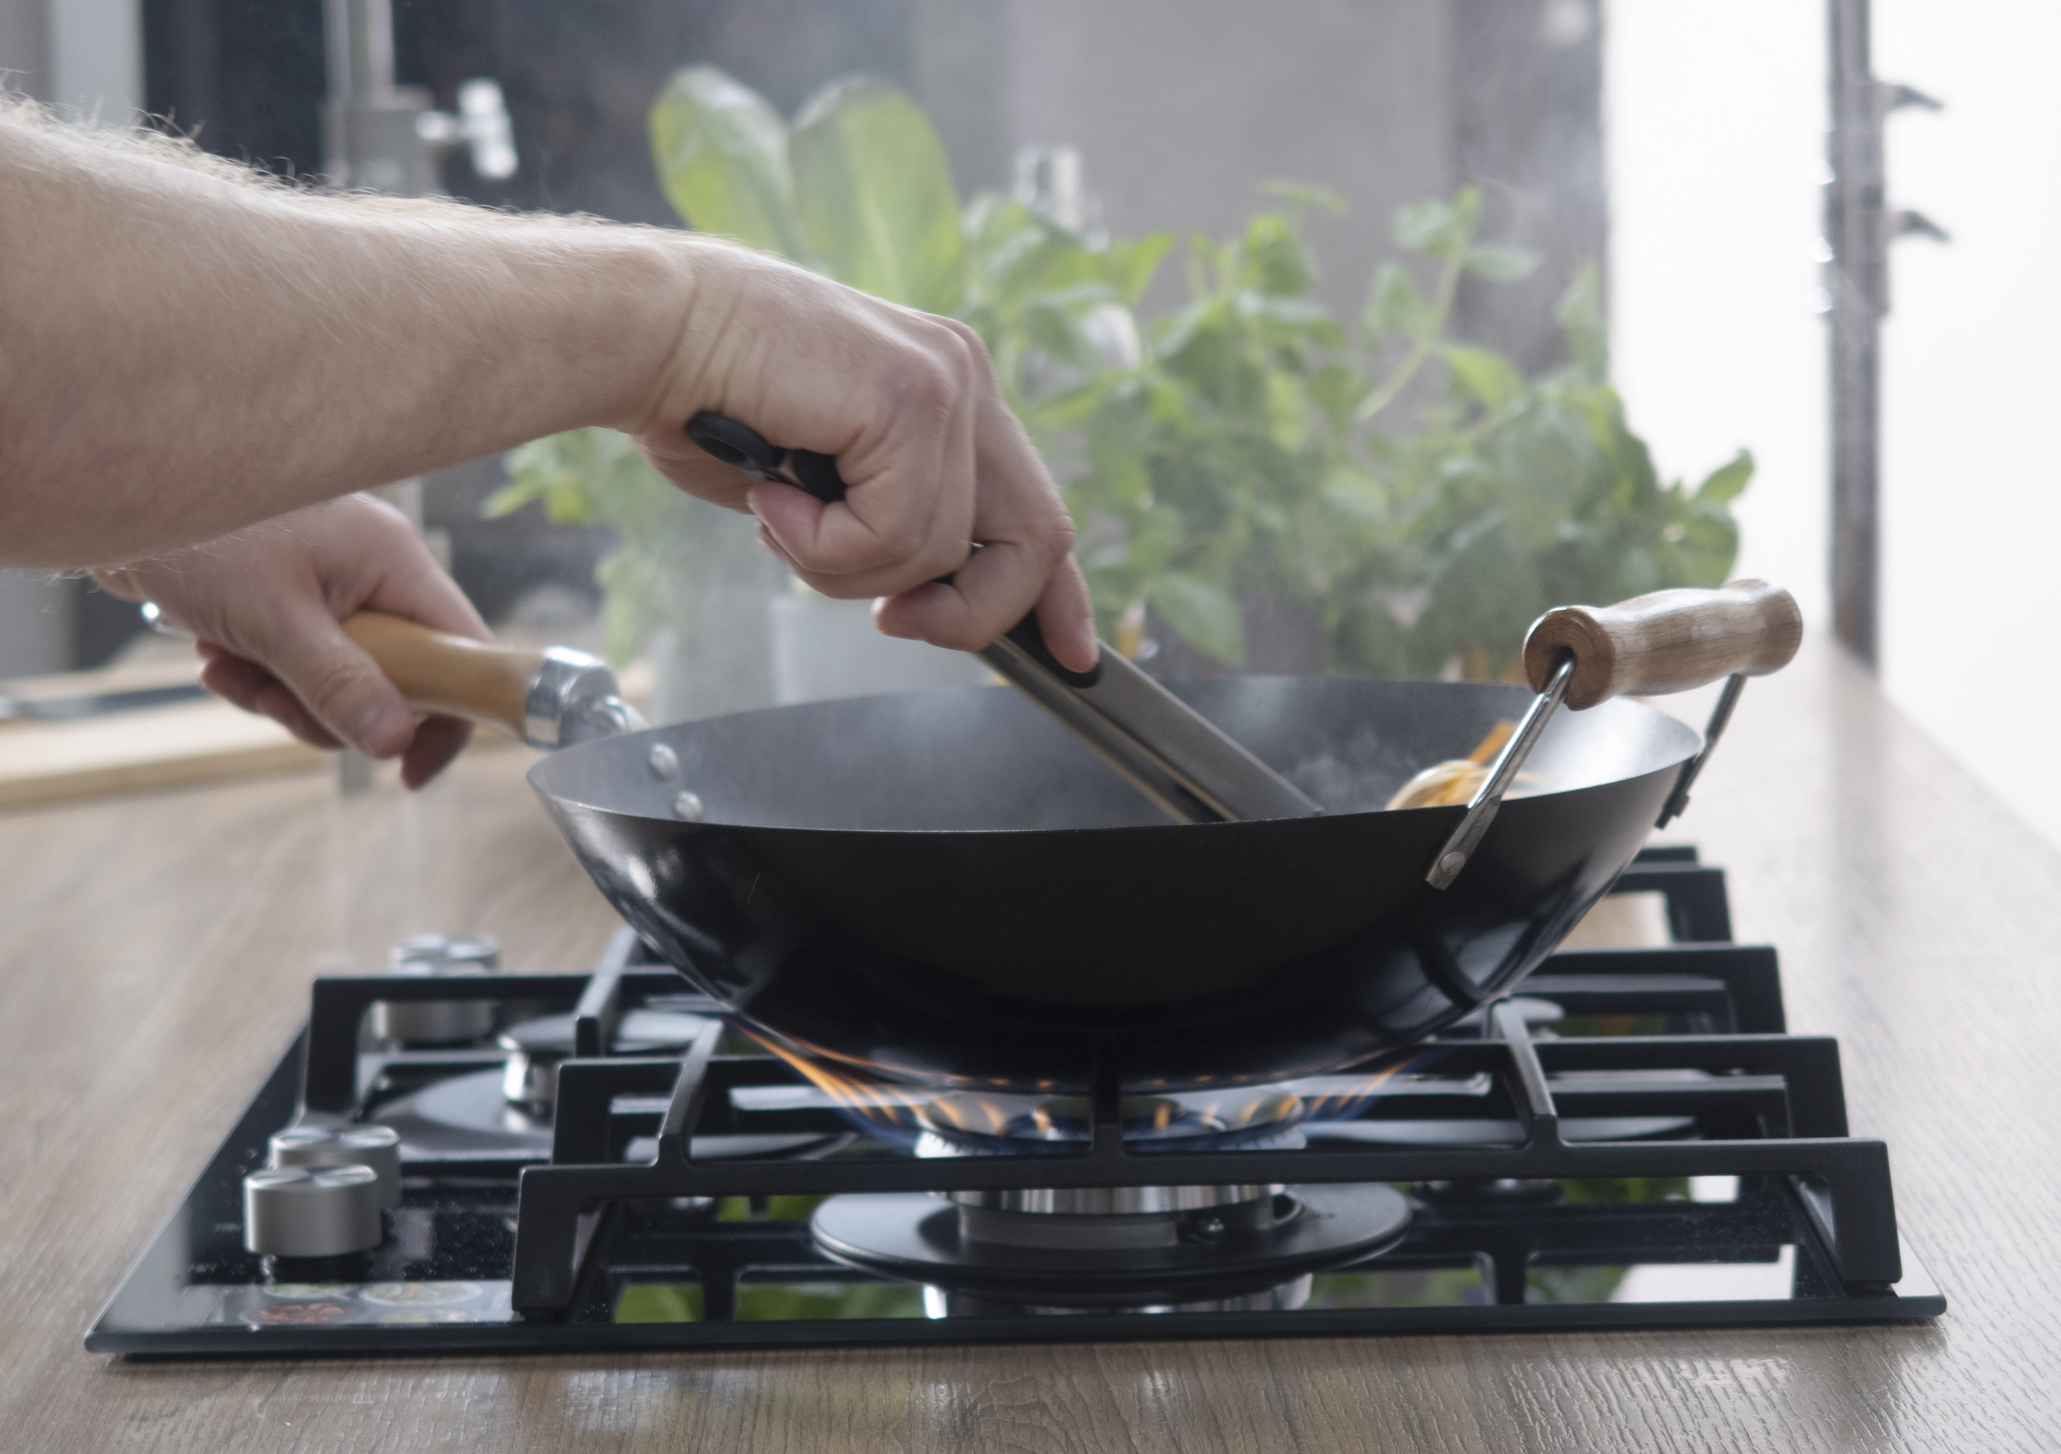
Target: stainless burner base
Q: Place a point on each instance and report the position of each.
(915, 1237)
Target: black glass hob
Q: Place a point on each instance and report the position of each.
(602, 1159)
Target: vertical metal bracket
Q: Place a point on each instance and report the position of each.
(1719, 716)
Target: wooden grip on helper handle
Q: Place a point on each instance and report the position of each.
(451, 676)
(1669, 641)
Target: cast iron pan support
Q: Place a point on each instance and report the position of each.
(1841, 1183)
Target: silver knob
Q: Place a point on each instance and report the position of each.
(311, 1211)
(453, 950)
(378, 1147)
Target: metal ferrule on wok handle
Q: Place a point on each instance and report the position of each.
(550, 697)
(1652, 645)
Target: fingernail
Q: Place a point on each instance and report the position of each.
(382, 730)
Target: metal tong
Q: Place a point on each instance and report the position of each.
(1159, 744)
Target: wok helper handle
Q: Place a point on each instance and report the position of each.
(1668, 641)
(547, 698)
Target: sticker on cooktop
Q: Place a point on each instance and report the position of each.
(418, 1294)
(303, 1290)
(300, 1315)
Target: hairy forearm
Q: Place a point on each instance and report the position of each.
(184, 351)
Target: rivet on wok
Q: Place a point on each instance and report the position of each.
(688, 806)
(664, 761)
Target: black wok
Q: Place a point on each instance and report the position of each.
(944, 887)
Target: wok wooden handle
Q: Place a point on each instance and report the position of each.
(453, 676)
(1666, 642)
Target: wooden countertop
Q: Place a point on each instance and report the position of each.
(154, 958)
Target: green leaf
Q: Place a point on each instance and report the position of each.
(1280, 260)
(1581, 318)
(1487, 377)
(1289, 407)
(721, 154)
(1437, 227)
(1337, 390)
(1206, 614)
(1305, 195)
(1500, 264)
(1393, 306)
(1725, 483)
(1172, 335)
(1130, 266)
(876, 197)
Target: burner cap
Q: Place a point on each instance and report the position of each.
(530, 1079)
(636, 1031)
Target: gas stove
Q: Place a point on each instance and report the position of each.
(452, 1159)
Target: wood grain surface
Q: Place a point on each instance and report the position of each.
(1668, 641)
(154, 958)
(178, 745)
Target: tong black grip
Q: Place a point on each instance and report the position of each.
(747, 449)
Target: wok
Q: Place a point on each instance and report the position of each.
(943, 887)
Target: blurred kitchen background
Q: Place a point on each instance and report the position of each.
(1679, 146)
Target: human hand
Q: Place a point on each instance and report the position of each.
(932, 457)
(263, 606)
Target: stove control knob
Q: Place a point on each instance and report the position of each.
(378, 1147)
(477, 950)
(311, 1211)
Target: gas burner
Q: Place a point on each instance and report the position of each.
(956, 1121)
(1107, 1249)
(1151, 1122)
(537, 1047)
(466, 1115)
(469, 1117)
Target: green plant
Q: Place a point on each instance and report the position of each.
(590, 476)
(1246, 450)
(1245, 460)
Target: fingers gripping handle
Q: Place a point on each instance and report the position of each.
(743, 447)
(746, 449)
(1669, 641)
(451, 676)
(547, 698)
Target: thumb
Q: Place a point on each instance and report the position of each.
(338, 682)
